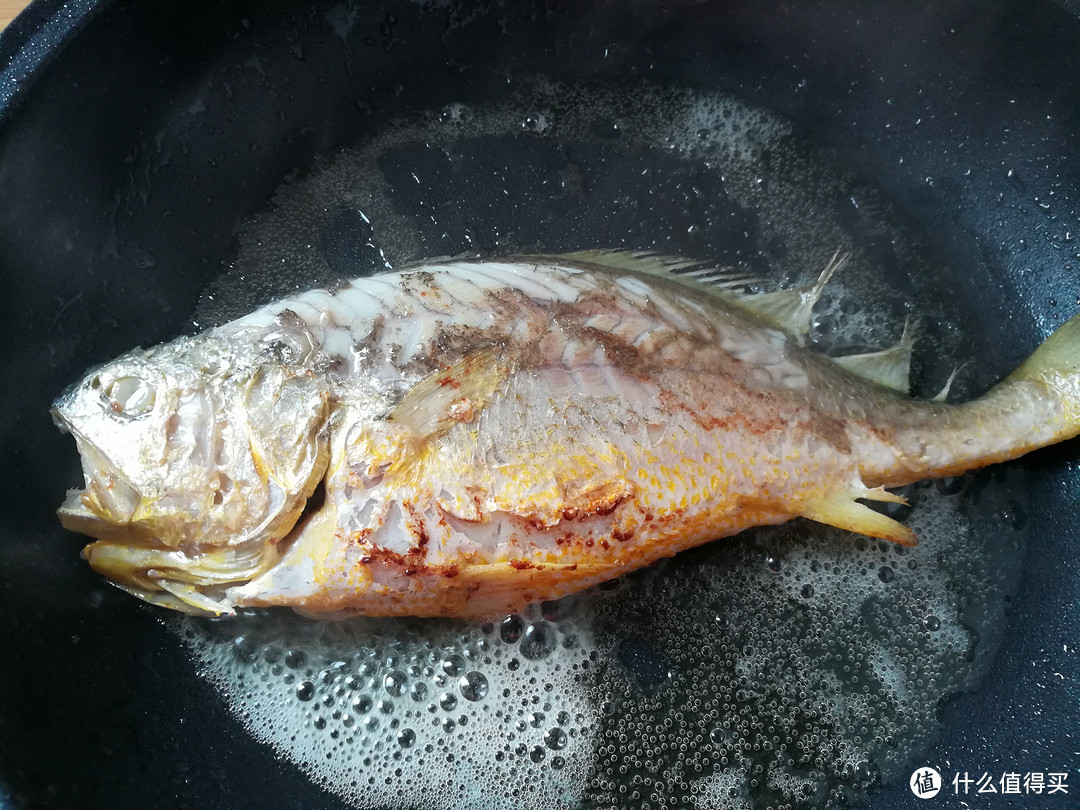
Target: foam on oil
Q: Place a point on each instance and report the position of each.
(791, 667)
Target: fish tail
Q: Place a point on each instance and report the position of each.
(1056, 365)
(1052, 374)
(1035, 406)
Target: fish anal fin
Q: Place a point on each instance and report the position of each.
(891, 367)
(451, 396)
(791, 310)
(840, 508)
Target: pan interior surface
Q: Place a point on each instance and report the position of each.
(785, 667)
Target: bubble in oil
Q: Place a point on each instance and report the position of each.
(793, 666)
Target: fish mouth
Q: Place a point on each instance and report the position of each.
(109, 497)
(192, 578)
(195, 583)
(130, 551)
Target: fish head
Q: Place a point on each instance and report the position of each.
(198, 457)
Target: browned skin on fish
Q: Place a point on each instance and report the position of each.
(763, 451)
(483, 435)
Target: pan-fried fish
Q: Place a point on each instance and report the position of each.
(462, 438)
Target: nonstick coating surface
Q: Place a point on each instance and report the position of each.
(968, 114)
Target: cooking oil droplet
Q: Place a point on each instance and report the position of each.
(555, 739)
(453, 665)
(510, 628)
(473, 686)
(538, 641)
(394, 683)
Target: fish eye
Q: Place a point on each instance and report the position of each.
(130, 396)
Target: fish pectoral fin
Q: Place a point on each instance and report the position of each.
(597, 494)
(792, 309)
(890, 368)
(840, 508)
(455, 394)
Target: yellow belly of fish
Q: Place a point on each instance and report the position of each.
(346, 578)
(499, 481)
(566, 509)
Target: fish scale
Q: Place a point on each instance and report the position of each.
(462, 438)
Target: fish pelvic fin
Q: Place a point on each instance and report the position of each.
(840, 508)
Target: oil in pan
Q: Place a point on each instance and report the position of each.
(797, 666)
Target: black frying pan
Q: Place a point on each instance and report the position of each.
(135, 138)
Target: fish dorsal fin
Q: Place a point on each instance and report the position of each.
(890, 367)
(789, 310)
(840, 508)
(792, 309)
(456, 394)
(679, 268)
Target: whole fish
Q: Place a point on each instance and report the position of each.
(465, 437)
